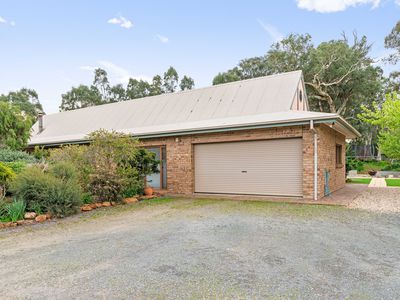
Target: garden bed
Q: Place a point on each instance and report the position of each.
(31, 218)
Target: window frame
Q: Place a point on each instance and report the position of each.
(339, 155)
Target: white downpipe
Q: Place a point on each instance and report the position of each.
(315, 159)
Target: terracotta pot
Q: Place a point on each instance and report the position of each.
(372, 172)
(148, 191)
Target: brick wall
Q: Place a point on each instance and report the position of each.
(180, 162)
(327, 141)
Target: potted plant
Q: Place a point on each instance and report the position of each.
(148, 190)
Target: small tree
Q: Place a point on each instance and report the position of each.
(387, 117)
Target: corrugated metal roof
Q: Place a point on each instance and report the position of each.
(263, 99)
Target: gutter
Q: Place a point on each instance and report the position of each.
(198, 131)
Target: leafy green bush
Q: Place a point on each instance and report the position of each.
(63, 198)
(106, 185)
(6, 175)
(16, 210)
(135, 188)
(40, 153)
(64, 171)
(47, 193)
(87, 198)
(8, 155)
(16, 166)
(392, 167)
(353, 164)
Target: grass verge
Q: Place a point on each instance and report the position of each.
(393, 182)
(359, 180)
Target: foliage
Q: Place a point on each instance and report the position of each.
(392, 41)
(16, 166)
(44, 192)
(6, 175)
(387, 117)
(65, 171)
(76, 155)
(353, 164)
(134, 188)
(63, 198)
(101, 92)
(16, 210)
(26, 100)
(14, 126)
(106, 185)
(339, 75)
(87, 198)
(10, 155)
(40, 153)
(80, 97)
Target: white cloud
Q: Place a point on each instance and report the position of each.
(330, 6)
(164, 39)
(121, 21)
(4, 21)
(272, 31)
(115, 72)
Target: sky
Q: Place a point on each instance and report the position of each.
(51, 46)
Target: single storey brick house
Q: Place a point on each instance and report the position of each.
(250, 137)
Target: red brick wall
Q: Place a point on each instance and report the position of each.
(180, 162)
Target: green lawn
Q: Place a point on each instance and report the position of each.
(359, 180)
(393, 182)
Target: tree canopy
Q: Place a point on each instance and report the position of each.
(339, 75)
(101, 92)
(26, 100)
(15, 126)
(387, 117)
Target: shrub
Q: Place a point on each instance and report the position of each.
(16, 166)
(33, 186)
(40, 153)
(106, 185)
(16, 210)
(6, 175)
(134, 188)
(64, 171)
(87, 198)
(354, 164)
(44, 192)
(63, 198)
(8, 155)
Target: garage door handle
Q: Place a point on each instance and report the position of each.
(244, 171)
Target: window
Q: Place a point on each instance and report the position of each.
(301, 95)
(339, 156)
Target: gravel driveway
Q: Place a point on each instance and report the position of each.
(206, 249)
(384, 200)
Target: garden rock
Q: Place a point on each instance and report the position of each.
(93, 205)
(48, 216)
(40, 218)
(99, 204)
(130, 200)
(106, 204)
(20, 222)
(86, 207)
(30, 215)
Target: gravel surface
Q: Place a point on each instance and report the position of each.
(384, 200)
(185, 249)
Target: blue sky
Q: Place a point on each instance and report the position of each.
(51, 46)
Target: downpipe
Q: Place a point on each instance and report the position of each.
(315, 159)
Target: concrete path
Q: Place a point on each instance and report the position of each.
(377, 182)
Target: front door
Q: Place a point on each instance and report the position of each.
(154, 180)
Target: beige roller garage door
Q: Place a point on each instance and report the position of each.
(269, 167)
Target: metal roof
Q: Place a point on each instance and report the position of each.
(263, 100)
